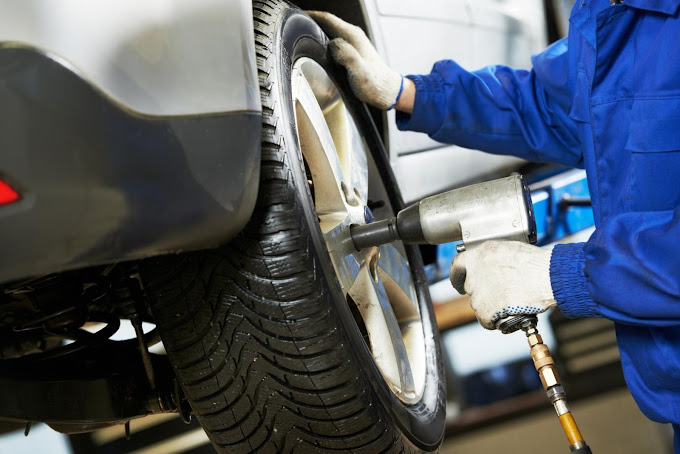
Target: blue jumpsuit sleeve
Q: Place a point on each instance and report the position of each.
(628, 271)
(499, 109)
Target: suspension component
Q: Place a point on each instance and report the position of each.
(135, 286)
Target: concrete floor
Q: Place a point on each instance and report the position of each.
(611, 424)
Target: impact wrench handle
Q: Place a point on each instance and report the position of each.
(545, 366)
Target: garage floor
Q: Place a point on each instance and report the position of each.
(610, 424)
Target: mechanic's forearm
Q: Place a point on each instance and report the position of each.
(496, 109)
(407, 97)
(626, 272)
(499, 109)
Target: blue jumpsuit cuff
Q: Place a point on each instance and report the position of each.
(569, 283)
(429, 108)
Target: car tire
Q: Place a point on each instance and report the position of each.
(270, 353)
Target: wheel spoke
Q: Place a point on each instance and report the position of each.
(385, 337)
(321, 156)
(351, 148)
(395, 274)
(408, 317)
(358, 173)
(340, 248)
(397, 278)
(403, 307)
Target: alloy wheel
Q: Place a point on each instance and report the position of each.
(377, 281)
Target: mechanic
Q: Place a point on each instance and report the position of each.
(605, 98)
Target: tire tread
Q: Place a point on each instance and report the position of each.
(253, 340)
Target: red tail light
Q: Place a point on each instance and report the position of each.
(7, 194)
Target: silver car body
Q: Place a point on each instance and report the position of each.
(156, 57)
(123, 126)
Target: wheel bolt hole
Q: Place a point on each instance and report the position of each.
(350, 198)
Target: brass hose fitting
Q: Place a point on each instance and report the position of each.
(547, 372)
(545, 366)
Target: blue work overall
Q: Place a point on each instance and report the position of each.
(607, 99)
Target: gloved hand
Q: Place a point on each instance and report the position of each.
(372, 81)
(504, 278)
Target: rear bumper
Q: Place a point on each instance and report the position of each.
(103, 184)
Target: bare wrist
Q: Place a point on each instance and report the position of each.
(407, 97)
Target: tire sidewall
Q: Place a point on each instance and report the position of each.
(423, 423)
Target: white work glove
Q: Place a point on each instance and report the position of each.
(372, 81)
(504, 278)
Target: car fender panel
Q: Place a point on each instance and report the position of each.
(101, 183)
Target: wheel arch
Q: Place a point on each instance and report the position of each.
(355, 12)
(352, 11)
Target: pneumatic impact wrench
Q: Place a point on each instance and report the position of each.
(495, 210)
